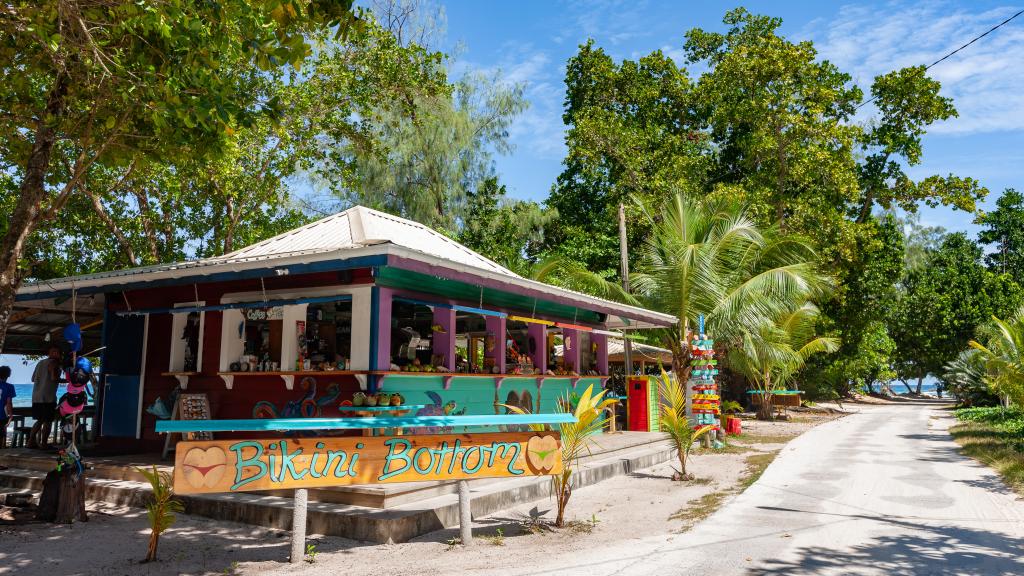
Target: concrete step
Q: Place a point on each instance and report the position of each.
(397, 523)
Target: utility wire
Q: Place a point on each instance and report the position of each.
(975, 39)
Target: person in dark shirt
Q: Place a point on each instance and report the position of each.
(7, 394)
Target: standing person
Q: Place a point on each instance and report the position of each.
(7, 394)
(44, 398)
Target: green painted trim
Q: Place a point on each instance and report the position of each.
(454, 289)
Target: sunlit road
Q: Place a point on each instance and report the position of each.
(883, 491)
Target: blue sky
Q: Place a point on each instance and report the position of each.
(530, 41)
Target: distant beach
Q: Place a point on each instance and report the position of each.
(24, 394)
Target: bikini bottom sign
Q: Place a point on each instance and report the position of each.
(279, 463)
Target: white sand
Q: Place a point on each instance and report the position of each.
(616, 510)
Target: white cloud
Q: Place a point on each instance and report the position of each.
(985, 80)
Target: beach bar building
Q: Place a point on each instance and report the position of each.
(303, 323)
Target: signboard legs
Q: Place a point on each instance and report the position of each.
(465, 514)
(299, 526)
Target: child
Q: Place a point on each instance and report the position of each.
(7, 394)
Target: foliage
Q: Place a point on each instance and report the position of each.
(430, 159)
(772, 353)
(179, 207)
(1003, 353)
(777, 116)
(161, 508)
(590, 419)
(673, 421)
(629, 135)
(871, 364)
(907, 101)
(160, 80)
(1003, 229)
(508, 231)
(708, 257)
(993, 436)
(965, 379)
(942, 303)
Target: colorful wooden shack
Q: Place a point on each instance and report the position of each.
(320, 317)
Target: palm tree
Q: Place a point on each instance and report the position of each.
(773, 352)
(966, 378)
(590, 412)
(1004, 356)
(709, 257)
(673, 421)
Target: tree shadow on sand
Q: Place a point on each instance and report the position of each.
(924, 548)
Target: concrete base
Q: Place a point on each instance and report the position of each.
(386, 513)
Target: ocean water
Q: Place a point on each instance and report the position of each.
(24, 394)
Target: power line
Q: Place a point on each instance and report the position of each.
(975, 39)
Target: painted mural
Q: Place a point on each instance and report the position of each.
(309, 404)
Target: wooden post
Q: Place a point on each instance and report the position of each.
(299, 526)
(627, 345)
(465, 514)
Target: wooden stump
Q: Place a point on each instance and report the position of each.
(63, 497)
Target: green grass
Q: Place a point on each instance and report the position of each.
(748, 438)
(700, 508)
(756, 465)
(994, 437)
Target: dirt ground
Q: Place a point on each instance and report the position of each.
(644, 504)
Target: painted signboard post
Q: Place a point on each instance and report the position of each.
(286, 463)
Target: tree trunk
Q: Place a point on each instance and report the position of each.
(154, 540)
(31, 193)
(909, 389)
(766, 410)
(920, 380)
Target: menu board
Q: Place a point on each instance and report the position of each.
(194, 407)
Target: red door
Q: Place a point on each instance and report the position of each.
(636, 392)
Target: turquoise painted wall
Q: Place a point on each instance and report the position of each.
(476, 395)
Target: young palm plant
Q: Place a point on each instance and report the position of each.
(590, 419)
(161, 509)
(1003, 353)
(674, 423)
(771, 354)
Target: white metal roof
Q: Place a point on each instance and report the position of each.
(356, 232)
(361, 226)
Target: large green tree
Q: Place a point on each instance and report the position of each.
(1003, 230)
(943, 303)
(630, 134)
(506, 230)
(178, 207)
(99, 82)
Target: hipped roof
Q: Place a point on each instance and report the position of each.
(358, 233)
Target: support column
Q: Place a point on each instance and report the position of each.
(601, 340)
(571, 349)
(299, 526)
(444, 343)
(465, 513)
(496, 328)
(539, 355)
(380, 346)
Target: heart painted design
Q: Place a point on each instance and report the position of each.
(542, 453)
(204, 468)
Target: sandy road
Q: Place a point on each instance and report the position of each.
(883, 491)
